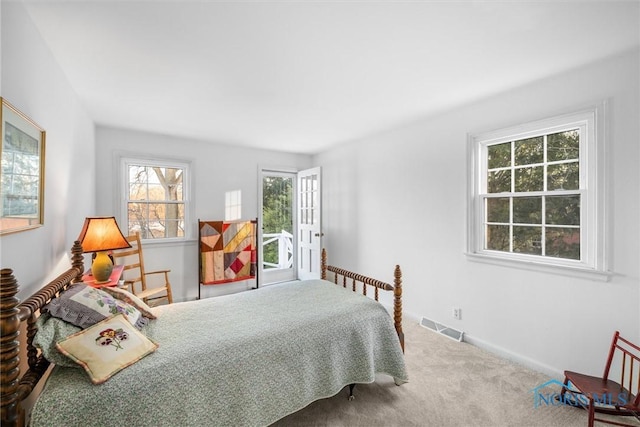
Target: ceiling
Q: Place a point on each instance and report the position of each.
(302, 76)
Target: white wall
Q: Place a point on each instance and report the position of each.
(33, 82)
(400, 198)
(216, 169)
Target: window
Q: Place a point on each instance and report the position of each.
(154, 198)
(535, 194)
(233, 205)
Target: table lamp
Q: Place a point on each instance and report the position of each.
(100, 235)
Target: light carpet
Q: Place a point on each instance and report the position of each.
(450, 384)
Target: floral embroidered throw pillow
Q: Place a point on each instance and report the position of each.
(83, 306)
(107, 347)
(129, 298)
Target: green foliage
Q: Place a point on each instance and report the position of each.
(563, 243)
(563, 210)
(277, 199)
(562, 225)
(499, 181)
(563, 146)
(529, 151)
(498, 209)
(527, 210)
(499, 155)
(527, 240)
(514, 223)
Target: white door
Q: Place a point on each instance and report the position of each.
(309, 224)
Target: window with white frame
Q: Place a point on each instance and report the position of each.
(536, 194)
(155, 202)
(233, 205)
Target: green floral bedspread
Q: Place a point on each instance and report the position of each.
(247, 359)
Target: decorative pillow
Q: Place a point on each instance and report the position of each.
(107, 347)
(84, 306)
(129, 298)
(51, 330)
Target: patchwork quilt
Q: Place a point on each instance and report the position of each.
(227, 251)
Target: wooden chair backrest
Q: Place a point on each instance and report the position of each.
(133, 259)
(630, 365)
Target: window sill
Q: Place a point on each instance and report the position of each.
(169, 242)
(532, 265)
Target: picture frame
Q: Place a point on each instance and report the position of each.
(22, 158)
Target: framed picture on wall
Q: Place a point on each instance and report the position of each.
(22, 171)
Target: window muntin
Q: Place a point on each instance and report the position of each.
(523, 213)
(536, 195)
(155, 202)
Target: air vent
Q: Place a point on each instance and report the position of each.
(447, 331)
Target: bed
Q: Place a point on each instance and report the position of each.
(244, 359)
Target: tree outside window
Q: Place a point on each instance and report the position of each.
(276, 213)
(541, 213)
(155, 200)
(536, 194)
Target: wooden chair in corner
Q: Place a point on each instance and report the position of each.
(604, 395)
(135, 276)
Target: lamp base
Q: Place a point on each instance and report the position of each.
(102, 267)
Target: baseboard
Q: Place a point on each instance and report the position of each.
(515, 357)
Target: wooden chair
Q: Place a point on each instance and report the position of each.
(603, 395)
(134, 261)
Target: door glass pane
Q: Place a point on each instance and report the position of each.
(277, 222)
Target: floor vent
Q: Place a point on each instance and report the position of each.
(447, 331)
